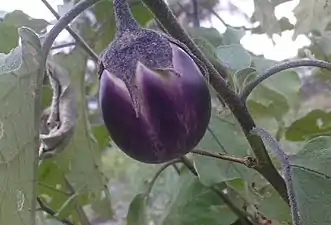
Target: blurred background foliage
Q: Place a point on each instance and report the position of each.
(92, 177)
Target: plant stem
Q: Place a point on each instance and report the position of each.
(189, 165)
(158, 173)
(247, 161)
(76, 36)
(195, 13)
(45, 208)
(238, 108)
(286, 167)
(123, 17)
(278, 68)
(70, 44)
(83, 219)
(242, 215)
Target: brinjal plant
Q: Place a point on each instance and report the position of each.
(154, 98)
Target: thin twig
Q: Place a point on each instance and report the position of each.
(53, 188)
(212, 11)
(63, 45)
(158, 173)
(242, 215)
(265, 167)
(278, 68)
(61, 24)
(195, 13)
(189, 165)
(80, 212)
(76, 36)
(248, 161)
(176, 168)
(45, 208)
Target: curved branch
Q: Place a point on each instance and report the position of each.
(63, 22)
(158, 173)
(162, 12)
(76, 36)
(278, 68)
(283, 158)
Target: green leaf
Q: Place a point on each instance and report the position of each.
(18, 19)
(82, 143)
(274, 207)
(137, 211)
(102, 208)
(288, 84)
(51, 184)
(79, 162)
(315, 156)
(311, 15)
(263, 115)
(195, 204)
(315, 123)
(264, 13)
(276, 102)
(223, 136)
(261, 64)
(243, 77)
(232, 36)
(235, 56)
(311, 177)
(210, 34)
(19, 120)
(209, 50)
(324, 43)
(8, 37)
(101, 135)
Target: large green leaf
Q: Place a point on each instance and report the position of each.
(19, 134)
(11, 22)
(195, 204)
(275, 101)
(324, 43)
(264, 13)
(8, 37)
(210, 34)
(18, 19)
(79, 162)
(311, 15)
(235, 56)
(273, 206)
(232, 36)
(311, 175)
(263, 115)
(315, 123)
(243, 77)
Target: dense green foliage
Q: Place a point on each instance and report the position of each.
(91, 179)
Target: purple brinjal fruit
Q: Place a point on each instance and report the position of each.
(154, 99)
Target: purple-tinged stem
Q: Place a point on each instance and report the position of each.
(123, 17)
